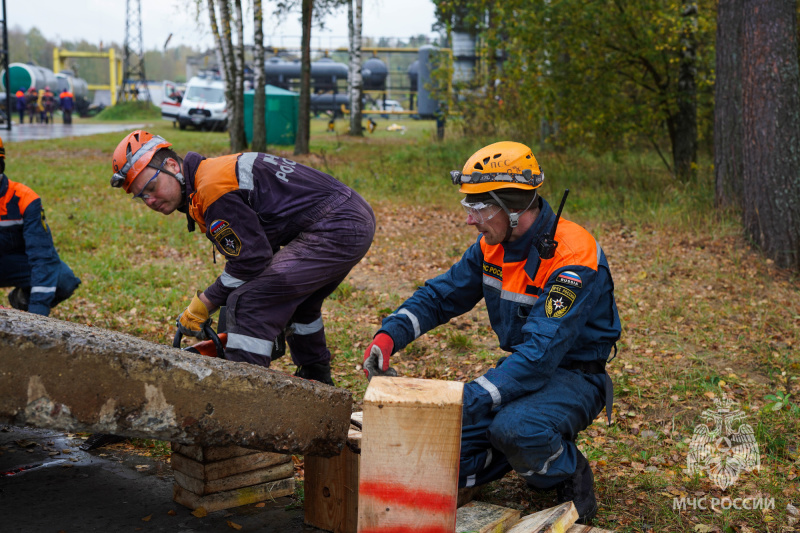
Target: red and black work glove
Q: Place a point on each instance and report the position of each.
(194, 318)
(376, 357)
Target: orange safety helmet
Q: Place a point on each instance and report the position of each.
(132, 155)
(502, 165)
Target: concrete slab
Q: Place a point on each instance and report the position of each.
(71, 377)
(38, 132)
(104, 491)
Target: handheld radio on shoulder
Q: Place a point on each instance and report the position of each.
(547, 246)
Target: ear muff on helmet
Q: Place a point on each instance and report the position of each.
(132, 155)
(502, 165)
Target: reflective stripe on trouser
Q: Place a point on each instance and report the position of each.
(15, 271)
(299, 278)
(533, 435)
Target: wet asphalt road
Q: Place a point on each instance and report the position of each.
(108, 490)
(36, 132)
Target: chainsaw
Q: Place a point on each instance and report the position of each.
(218, 340)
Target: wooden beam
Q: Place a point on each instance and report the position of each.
(482, 517)
(410, 455)
(554, 520)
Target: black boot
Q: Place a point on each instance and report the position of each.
(19, 298)
(579, 489)
(317, 372)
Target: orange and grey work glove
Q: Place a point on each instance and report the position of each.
(194, 318)
(376, 358)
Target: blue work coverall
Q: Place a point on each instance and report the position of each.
(28, 257)
(558, 320)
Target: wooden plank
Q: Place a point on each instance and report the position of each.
(553, 520)
(409, 455)
(237, 481)
(207, 454)
(578, 528)
(331, 488)
(227, 467)
(233, 498)
(482, 517)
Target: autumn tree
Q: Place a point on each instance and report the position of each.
(771, 129)
(302, 141)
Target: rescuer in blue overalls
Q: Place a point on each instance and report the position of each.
(29, 261)
(550, 300)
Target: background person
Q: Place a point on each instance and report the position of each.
(29, 261)
(553, 311)
(67, 103)
(290, 235)
(20, 101)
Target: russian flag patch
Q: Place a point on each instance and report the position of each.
(570, 279)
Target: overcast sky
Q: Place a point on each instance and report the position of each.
(104, 20)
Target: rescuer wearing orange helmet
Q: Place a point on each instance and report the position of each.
(290, 235)
(29, 261)
(550, 300)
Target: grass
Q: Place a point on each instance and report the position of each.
(704, 316)
(130, 111)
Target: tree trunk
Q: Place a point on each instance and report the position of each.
(238, 137)
(229, 68)
(301, 144)
(684, 146)
(771, 125)
(356, 80)
(259, 97)
(728, 105)
(212, 16)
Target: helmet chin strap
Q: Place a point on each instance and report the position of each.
(513, 218)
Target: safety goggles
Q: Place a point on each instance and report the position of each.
(526, 178)
(149, 187)
(479, 211)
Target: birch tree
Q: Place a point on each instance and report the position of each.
(259, 97)
(355, 79)
(236, 119)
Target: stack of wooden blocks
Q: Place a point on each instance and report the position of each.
(228, 476)
(399, 471)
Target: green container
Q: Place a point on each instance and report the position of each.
(280, 114)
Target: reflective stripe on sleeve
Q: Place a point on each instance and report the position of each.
(488, 458)
(491, 389)
(229, 281)
(518, 298)
(470, 481)
(246, 162)
(44, 290)
(249, 344)
(413, 319)
(306, 329)
(4, 223)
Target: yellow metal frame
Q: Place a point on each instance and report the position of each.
(114, 68)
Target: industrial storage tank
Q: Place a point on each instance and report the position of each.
(374, 73)
(426, 105)
(413, 73)
(325, 73)
(24, 76)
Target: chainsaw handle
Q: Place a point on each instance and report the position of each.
(210, 333)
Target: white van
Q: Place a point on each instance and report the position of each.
(203, 105)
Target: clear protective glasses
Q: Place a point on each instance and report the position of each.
(479, 211)
(149, 187)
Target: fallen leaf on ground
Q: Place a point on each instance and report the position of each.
(171, 512)
(200, 512)
(260, 504)
(147, 518)
(234, 525)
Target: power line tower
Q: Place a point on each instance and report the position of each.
(134, 82)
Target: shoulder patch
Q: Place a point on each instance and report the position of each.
(559, 301)
(570, 279)
(223, 233)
